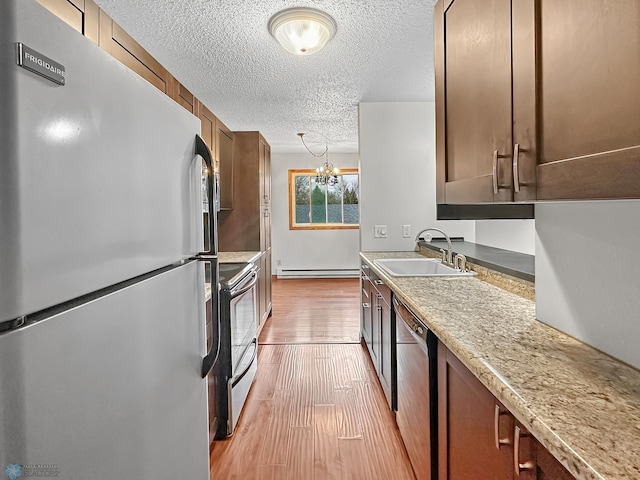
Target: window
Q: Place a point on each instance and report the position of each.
(316, 206)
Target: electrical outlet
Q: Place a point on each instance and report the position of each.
(406, 231)
(279, 263)
(380, 231)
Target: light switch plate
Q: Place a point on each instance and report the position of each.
(380, 231)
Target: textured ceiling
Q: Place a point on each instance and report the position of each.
(223, 53)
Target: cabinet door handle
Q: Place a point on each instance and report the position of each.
(496, 428)
(517, 466)
(495, 172)
(378, 282)
(516, 177)
(365, 305)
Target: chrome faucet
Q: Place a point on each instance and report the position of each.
(446, 256)
(460, 262)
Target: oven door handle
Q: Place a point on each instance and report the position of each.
(233, 381)
(244, 290)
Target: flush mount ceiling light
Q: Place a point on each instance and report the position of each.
(302, 31)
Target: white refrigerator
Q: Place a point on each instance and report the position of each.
(102, 309)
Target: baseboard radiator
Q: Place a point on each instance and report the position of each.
(315, 273)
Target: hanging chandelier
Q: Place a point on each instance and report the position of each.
(326, 174)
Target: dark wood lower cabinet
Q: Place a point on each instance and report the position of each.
(387, 343)
(547, 467)
(378, 331)
(478, 438)
(365, 305)
(264, 288)
(467, 426)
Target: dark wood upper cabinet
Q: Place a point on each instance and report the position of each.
(588, 99)
(537, 100)
(224, 156)
(265, 173)
(219, 139)
(184, 97)
(88, 19)
(82, 15)
(476, 71)
(248, 226)
(119, 44)
(208, 127)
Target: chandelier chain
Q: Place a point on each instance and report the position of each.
(326, 147)
(326, 174)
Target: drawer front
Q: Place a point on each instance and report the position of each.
(381, 287)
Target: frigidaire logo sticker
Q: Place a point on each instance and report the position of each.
(37, 63)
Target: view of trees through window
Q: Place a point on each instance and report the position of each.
(314, 203)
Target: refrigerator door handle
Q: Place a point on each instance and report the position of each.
(212, 355)
(211, 246)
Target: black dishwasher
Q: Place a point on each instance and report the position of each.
(417, 412)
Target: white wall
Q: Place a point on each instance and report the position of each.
(587, 254)
(397, 175)
(588, 273)
(307, 249)
(515, 235)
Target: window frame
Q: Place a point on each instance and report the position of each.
(310, 172)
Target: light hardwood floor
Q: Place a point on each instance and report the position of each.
(315, 310)
(316, 409)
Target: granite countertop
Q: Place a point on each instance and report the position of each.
(581, 404)
(234, 257)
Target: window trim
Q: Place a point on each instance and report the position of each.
(317, 226)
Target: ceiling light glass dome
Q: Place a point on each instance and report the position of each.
(302, 31)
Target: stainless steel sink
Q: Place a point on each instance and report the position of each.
(419, 267)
